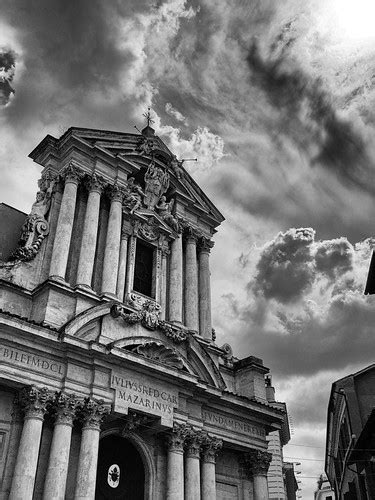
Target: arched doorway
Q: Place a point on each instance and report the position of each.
(121, 473)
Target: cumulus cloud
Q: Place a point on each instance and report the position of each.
(284, 270)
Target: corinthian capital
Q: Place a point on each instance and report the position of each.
(95, 183)
(210, 448)
(176, 438)
(205, 244)
(190, 233)
(257, 462)
(116, 193)
(33, 401)
(65, 406)
(193, 443)
(71, 174)
(92, 413)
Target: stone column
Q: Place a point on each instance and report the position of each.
(210, 448)
(55, 483)
(92, 414)
(65, 222)
(112, 244)
(90, 232)
(122, 265)
(205, 325)
(258, 462)
(175, 281)
(163, 280)
(175, 464)
(33, 401)
(191, 280)
(192, 466)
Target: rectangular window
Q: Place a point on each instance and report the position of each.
(143, 269)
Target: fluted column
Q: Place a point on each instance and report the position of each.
(175, 464)
(192, 466)
(132, 245)
(112, 244)
(92, 414)
(258, 462)
(210, 449)
(65, 222)
(175, 281)
(191, 280)
(122, 265)
(205, 324)
(33, 401)
(57, 471)
(90, 232)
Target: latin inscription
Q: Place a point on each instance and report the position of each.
(231, 424)
(134, 393)
(39, 363)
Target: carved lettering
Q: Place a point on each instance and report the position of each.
(232, 424)
(39, 363)
(135, 394)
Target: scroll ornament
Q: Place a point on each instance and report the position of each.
(36, 227)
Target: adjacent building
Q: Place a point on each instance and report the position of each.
(324, 490)
(350, 446)
(111, 383)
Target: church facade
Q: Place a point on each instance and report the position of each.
(111, 383)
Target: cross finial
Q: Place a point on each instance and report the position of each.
(148, 116)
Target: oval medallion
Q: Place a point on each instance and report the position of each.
(113, 477)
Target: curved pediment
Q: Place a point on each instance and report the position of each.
(182, 352)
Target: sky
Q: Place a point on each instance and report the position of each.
(276, 99)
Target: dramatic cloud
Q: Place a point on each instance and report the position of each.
(284, 269)
(7, 67)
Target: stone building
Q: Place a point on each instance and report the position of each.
(112, 385)
(350, 445)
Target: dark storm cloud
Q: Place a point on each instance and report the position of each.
(309, 116)
(285, 269)
(7, 66)
(334, 257)
(69, 49)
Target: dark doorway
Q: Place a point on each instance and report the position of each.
(121, 474)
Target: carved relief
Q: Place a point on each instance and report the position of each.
(176, 166)
(149, 230)
(148, 316)
(156, 184)
(134, 195)
(133, 422)
(165, 212)
(36, 227)
(145, 145)
(158, 352)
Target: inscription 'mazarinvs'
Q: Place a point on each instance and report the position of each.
(133, 393)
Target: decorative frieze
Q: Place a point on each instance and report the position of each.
(92, 413)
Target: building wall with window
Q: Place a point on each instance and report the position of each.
(350, 429)
(111, 383)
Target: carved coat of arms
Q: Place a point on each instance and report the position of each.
(156, 184)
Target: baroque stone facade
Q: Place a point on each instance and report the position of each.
(112, 385)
